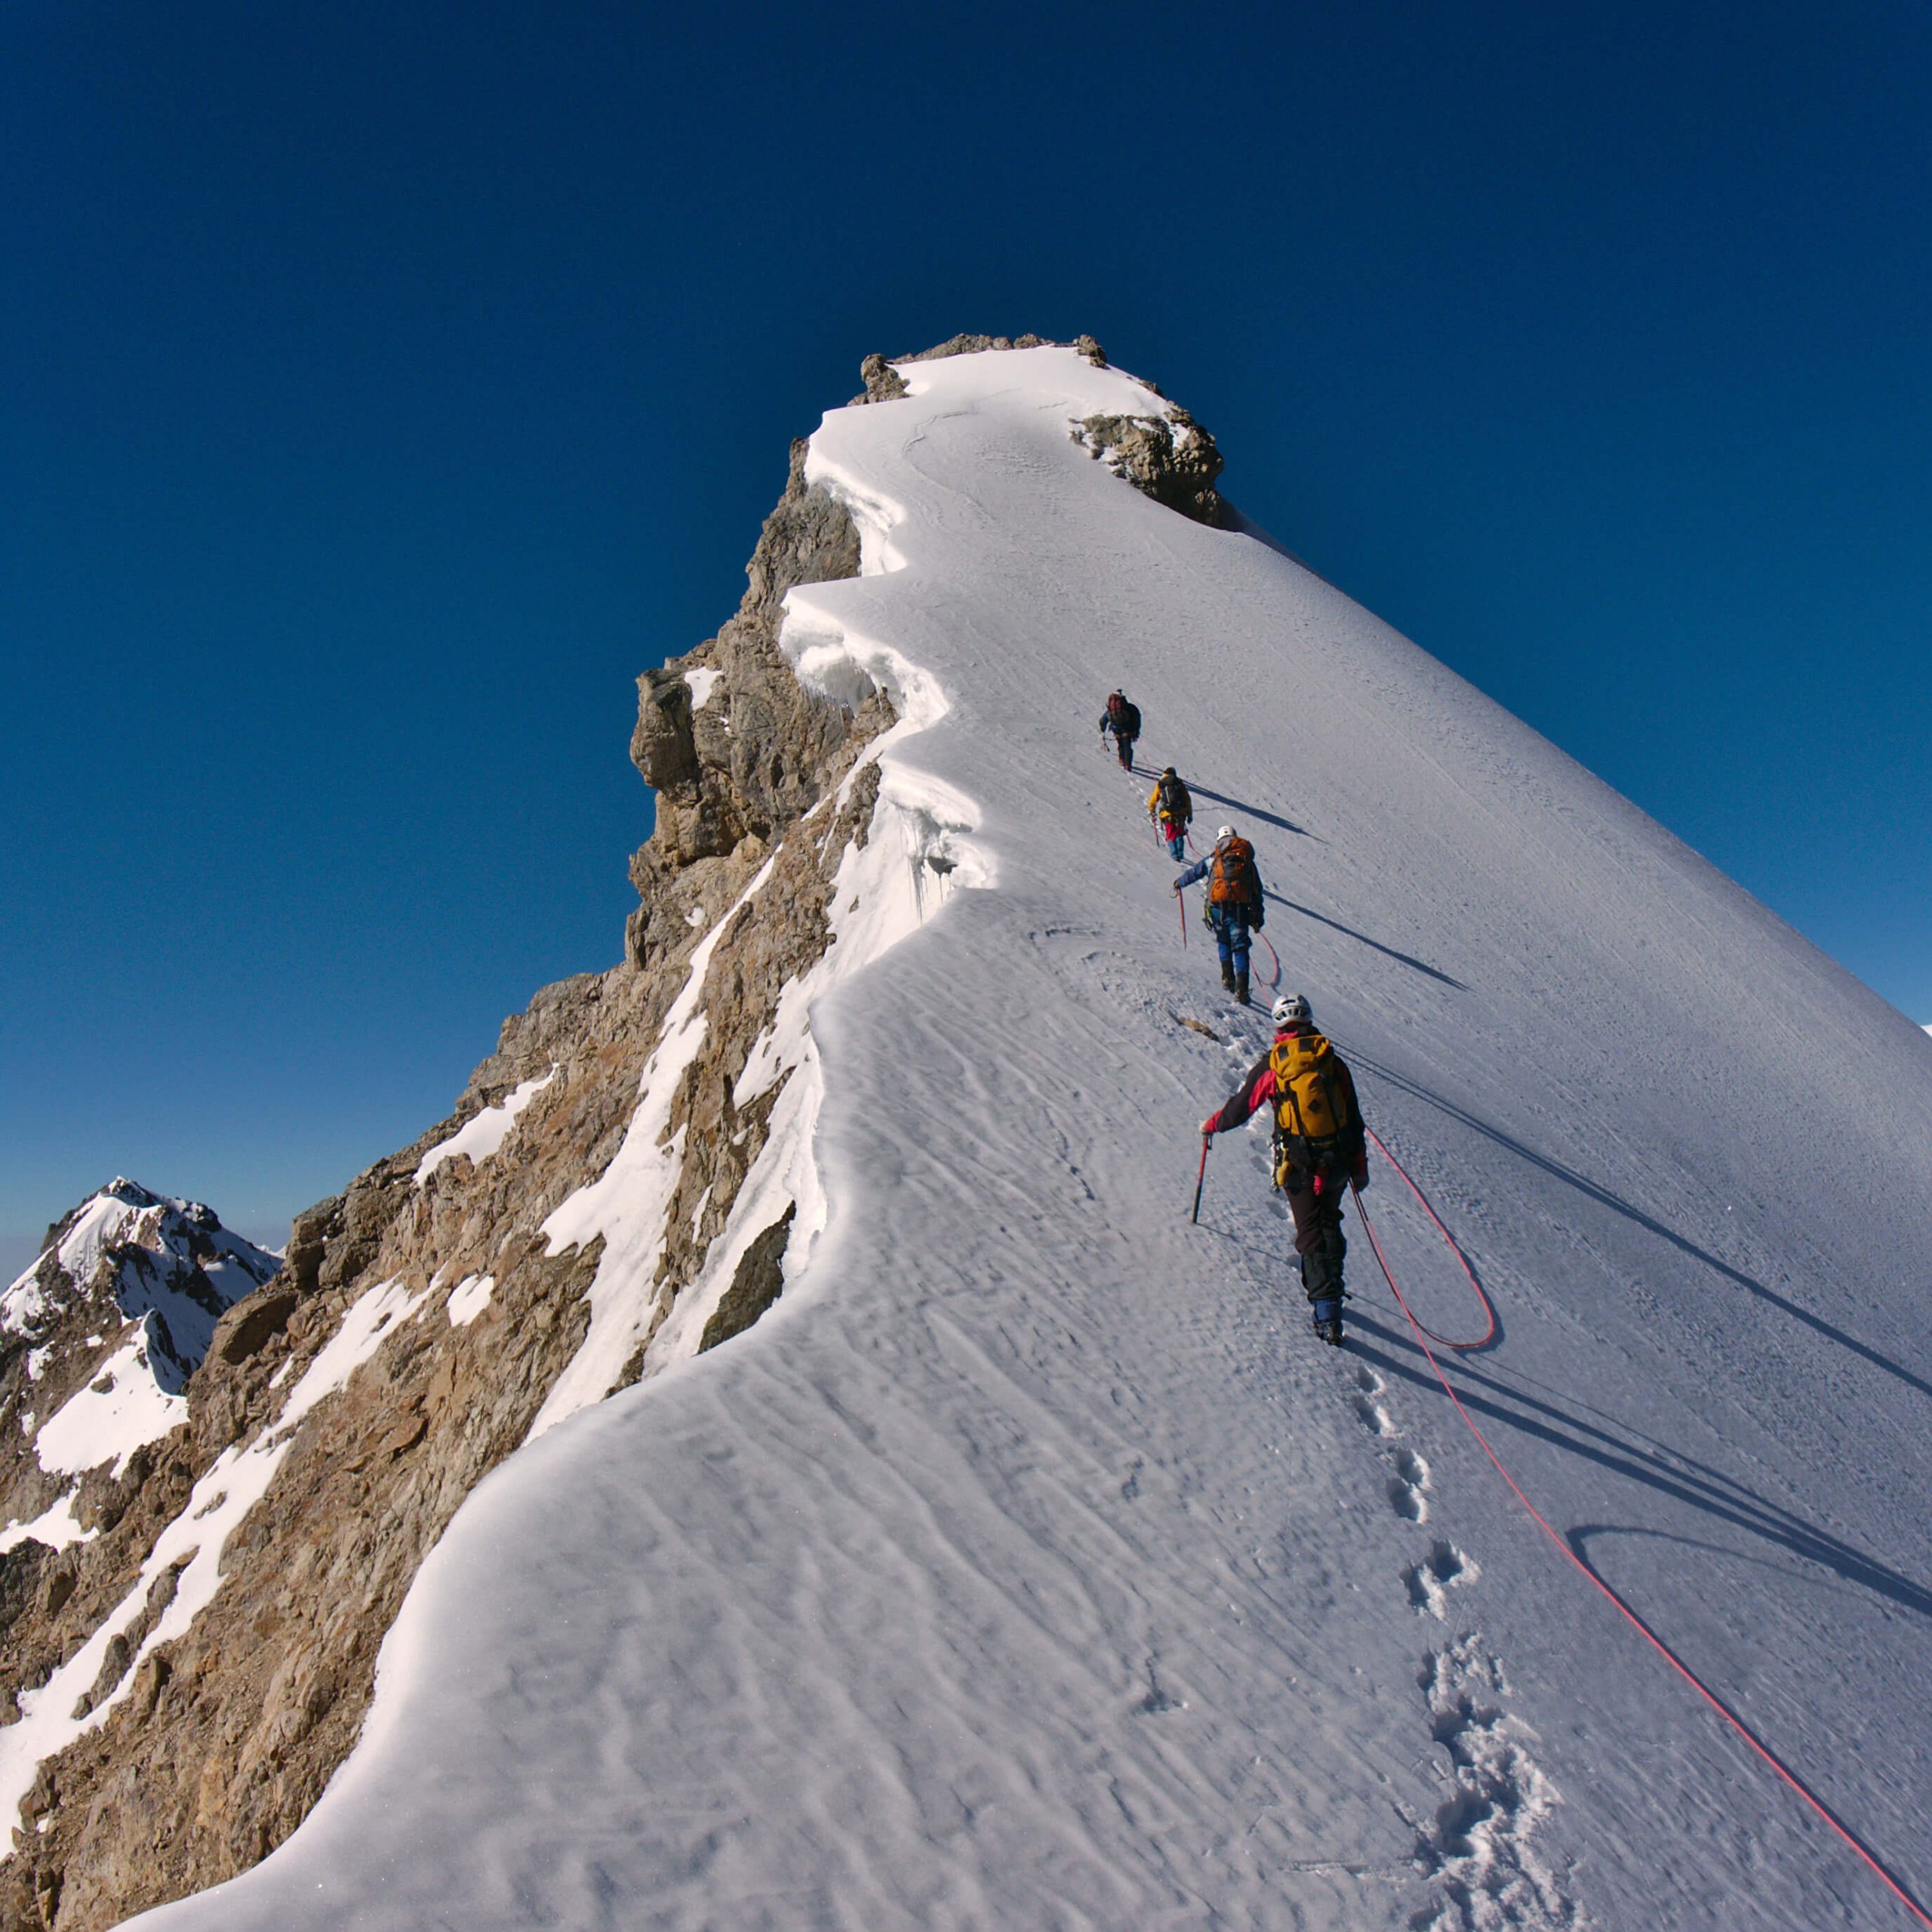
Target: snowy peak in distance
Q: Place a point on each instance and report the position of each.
(148, 1255)
(99, 1337)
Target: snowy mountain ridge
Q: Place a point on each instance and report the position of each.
(1025, 1563)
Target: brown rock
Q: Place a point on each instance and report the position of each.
(758, 1281)
(247, 1327)
(1170, 458)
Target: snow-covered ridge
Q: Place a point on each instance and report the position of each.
(916, 853)
(171, 1256)
(1028, 1566)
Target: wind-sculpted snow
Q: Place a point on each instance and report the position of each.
(1027, 1565)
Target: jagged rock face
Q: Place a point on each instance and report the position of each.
(1170, 458)
(422, 1318)
(731, 742)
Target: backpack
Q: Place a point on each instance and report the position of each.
(1314, 1120)
(1231, 880)
(1118, 707)
(1176, 805)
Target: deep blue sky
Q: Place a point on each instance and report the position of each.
(387, 385)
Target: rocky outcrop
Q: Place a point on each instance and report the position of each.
(733, 745)
(1169, 457)
(422, 1318)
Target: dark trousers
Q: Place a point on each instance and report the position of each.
(1123, 745)
(1318, 1238)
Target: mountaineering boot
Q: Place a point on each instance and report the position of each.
(1327, 1314)
(1241, 988)
(1227, 976)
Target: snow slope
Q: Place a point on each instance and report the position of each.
(1028, 1566)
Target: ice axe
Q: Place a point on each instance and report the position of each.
(1201, 1179)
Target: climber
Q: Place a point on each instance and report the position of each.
(1319, 1147)
(1170, 808)
(1123, 719)
(1234, 904)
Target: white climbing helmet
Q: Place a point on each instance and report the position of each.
(1226, 832)
(1292, 1009)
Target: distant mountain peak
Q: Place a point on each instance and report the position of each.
(99, 1337)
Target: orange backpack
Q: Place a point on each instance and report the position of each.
(1231, 881)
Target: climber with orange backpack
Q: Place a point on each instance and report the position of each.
(1234, 904)
(1320, 1147)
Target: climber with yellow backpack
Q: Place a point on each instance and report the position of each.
(1171, 809)
(1319, 1147)
(1234, 903)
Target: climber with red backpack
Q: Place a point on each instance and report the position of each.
(1122, 718)
(1319, 1147)
(1234, 904)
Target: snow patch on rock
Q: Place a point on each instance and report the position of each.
(481, 1135)
(469, 1299)
(122, 1407)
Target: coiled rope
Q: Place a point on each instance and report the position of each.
(1488, 1335)
(1762, 1751)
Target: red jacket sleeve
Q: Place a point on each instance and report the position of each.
(1257, 1088)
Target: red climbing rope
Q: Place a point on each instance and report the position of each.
(1275, 984)
(1650, 1636)
(1488, 1335)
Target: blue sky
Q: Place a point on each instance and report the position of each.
(389, 384)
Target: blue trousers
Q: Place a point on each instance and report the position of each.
(1231, 935)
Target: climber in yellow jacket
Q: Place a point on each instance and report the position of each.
(1170, 808)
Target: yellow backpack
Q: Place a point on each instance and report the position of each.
(1312, 1108)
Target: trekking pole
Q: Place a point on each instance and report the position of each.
(1180, 899)
(1201, 1179)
